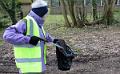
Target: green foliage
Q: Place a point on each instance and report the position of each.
(117, 16)
(10, 7)
(7, 4)
(4, 21)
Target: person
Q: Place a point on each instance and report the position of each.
(29, 49)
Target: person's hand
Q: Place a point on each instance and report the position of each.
(34, 40)
(55, 40)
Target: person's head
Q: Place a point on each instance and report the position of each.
(40, 8)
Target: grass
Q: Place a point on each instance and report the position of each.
(54, 19)
(54, 24)
(117, 16)
(1, 40)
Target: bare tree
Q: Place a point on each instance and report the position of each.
(108, 17)
(77, 12)
(94, 5)
(101, 2)
(71, 4)
(64, 11)
(10, 7)
(118, 2)
(84, 2)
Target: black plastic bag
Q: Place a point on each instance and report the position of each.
(64, 56)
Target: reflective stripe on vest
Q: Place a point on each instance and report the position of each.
(23, 60)
(45, 47)
(28, 57)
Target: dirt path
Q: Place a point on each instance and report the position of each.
(98, 54)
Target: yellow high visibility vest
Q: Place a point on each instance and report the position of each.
(28, 57)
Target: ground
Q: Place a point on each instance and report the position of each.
(97, 49)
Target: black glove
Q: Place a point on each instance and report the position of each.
(55, 40)
(34, 40)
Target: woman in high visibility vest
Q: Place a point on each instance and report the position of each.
(29, 50)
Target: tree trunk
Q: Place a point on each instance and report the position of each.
(101, 3)
(12, 17)
(94, 5)
(84, 2)
(108, 17)
(64, 11)
(118, 2)
(83, 17)
(71, 11)
(82, 13)
(13, 12)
